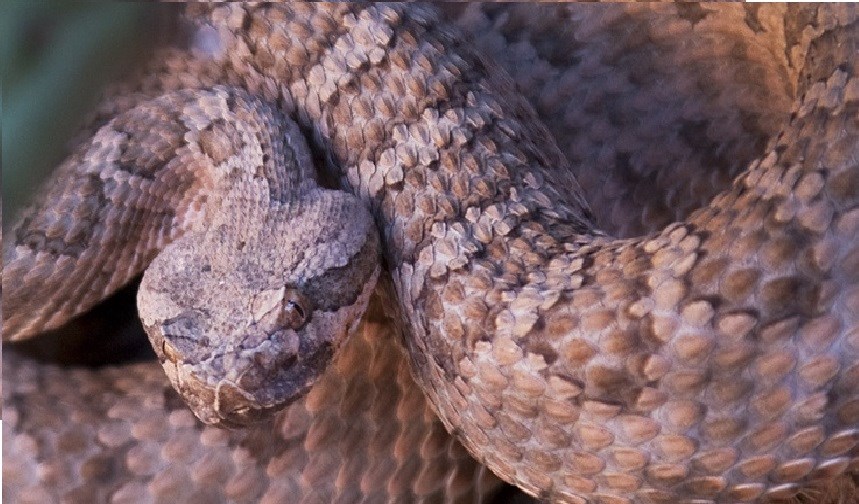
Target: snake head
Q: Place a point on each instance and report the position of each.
(246, 315)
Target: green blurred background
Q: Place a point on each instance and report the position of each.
(56, 59)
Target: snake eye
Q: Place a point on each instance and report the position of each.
(296, 310)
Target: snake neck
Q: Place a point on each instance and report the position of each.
(427, 133)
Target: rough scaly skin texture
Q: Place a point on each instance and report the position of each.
(714, 359)
(363, 434)
(246, 309)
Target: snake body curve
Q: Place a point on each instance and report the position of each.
(714, 359)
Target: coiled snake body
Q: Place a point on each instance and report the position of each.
(712, 359)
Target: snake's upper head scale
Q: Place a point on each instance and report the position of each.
(246, 315)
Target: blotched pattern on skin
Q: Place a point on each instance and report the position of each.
(714, 358)
(363, 434)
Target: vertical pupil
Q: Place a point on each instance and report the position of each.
(297, 307)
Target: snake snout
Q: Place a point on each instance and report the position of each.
(262, 385)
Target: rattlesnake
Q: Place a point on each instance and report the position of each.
(715, 358)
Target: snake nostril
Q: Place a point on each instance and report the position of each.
(252, 380)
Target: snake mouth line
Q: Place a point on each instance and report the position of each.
(253, 394)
